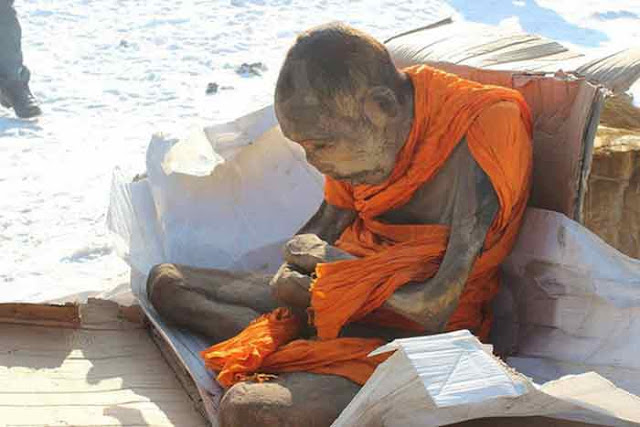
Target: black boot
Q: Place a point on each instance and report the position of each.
(16, 94)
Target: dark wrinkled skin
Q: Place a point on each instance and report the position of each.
(353, 136)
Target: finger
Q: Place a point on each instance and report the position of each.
(291, 287)
(305, 251)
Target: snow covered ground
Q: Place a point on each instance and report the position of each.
(111, 73)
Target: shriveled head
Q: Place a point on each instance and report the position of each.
(342, 99)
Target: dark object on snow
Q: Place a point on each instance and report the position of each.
(140, 176)
(124, 43)
(10, 41)
(14, 76)
(15, 93)
(253, 69)
(212, 88)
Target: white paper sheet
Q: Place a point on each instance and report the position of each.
(450, 378)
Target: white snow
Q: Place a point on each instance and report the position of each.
(109, 74)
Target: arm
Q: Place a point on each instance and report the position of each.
(475, 205)
(328, 222)
(311, 245)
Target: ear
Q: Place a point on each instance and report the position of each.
(380, 105)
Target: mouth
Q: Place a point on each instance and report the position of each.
(352, 178)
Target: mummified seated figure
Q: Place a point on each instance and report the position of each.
(427, 179)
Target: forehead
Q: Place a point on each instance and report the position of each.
(305, 123)
(310, 105)
(305, 116)
(313, 122)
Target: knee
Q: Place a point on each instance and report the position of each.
(297, 399)
(241, 406)
(161, 281)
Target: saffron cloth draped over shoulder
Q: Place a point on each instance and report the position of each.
(497, 124)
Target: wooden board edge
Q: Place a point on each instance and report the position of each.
(95, 314)
(181, 373)
(67, 315)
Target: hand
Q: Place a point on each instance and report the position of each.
(291, 287)
(302, 253)
(305, 251)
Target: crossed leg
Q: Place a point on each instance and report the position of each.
(219, 304)
(216, 303)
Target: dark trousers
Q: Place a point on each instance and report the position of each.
(10, 45)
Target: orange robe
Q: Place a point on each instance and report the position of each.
(497, 125)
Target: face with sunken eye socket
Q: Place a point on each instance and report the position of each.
(354, 153)
(348, 150)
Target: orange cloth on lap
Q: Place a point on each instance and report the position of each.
(267, 346)
(497, 125)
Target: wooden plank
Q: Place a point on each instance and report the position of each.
(115, 415)
(67, 315)
(108, 315)
(96, 314)
(114, 376)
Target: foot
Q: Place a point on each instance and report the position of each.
(17, 95)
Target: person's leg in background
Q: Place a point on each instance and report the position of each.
(14, 76)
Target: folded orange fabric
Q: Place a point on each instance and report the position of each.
(497, 125)
(253, 351)
(244, 354)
